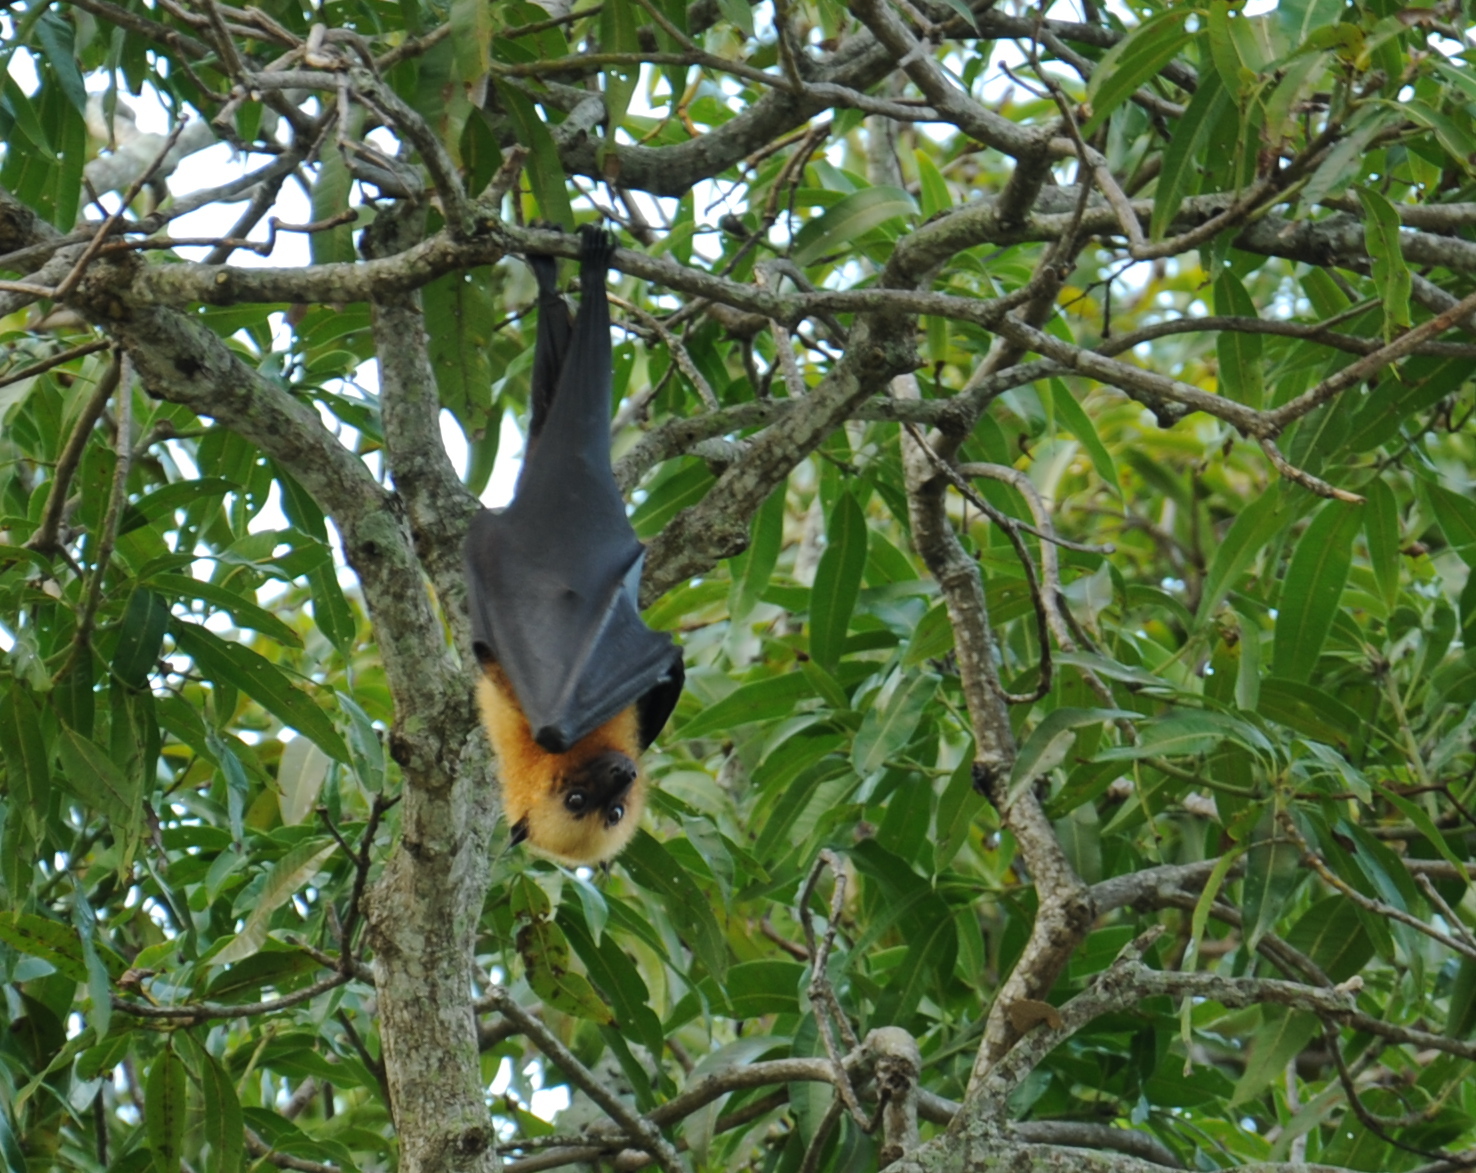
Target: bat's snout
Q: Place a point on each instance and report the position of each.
(611, 775)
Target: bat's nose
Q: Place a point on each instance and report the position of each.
(611, 774)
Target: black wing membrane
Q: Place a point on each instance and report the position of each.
(554, 578)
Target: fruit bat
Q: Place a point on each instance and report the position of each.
(574, 685)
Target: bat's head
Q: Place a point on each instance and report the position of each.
(578, 807)
(589, 812)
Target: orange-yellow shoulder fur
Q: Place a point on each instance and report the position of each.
(532, 777)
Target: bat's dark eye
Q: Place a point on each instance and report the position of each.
(575, 800)
(616, 813)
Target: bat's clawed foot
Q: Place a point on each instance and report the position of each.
(597, 245)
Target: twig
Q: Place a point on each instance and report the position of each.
(69, 282)
(45, 539)
(822, 994)
(202, 1011)
(678, 351)
(56, 360)
(646, 1134)
(1319, 865)
(1012, 529)
(260, 1149)
(816, 1148)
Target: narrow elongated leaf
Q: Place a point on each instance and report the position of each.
(47, 939)
(1313, 585)
(1390, 273)
(850, 218)
(1051, 740)
(1456, 515)
(886, 729)
(1257, 524)
(1381, 527)
(761, 700)
(27, 764)
(286, 876)
(165, 1110)
(141, 635)
(1271, 873)
(96, 780)
(837, 581)
(243, 611)
(1080, 425)
(545, 953)
(652, 866)
(262, 681)
(934, 188)
(545, 171)
(1239, 354)
(1176, 179)
(99, 989)
(300, 775)
(761, 556)
(1132, 61)
(224, 1129)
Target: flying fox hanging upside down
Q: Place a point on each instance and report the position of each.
(574, 685)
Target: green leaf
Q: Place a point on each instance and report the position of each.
(1080, 425)
(297, 866)
(760, 700)
(95, 778)
(1390, 273)
(224, 1129)
(545, 953)
(933, 187)
(1309, 710)
(141, 635)
(652, 866)
(889, 724)
(1271, 872)
(330, 197)
(300, 775)
(1423, 824)
(1280, 1038)
(1178, 175)
(1456, 515)
(243, 612)
(460, 314)
(849, 219)
(545, 170)
(331, 611)
(1331, 934)
(931, 638)
(1050, 742)
(1239, 354)
(958, 806)
(262, 681)
(47, 939)
(1381, 527)
(165, 1110)
(1135, 59)
(99, 988)
(27, 763)
(837, 581)
(364, 745)
(1313, 585)
(761, 556)
(1257, 523)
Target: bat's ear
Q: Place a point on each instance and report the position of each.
(519, 833)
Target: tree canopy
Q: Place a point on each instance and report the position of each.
(1052, 431)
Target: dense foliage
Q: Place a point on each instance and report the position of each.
(1054, 437)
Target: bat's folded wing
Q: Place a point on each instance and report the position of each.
(560, 619)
